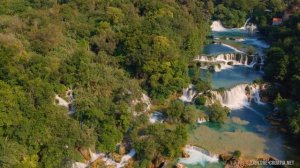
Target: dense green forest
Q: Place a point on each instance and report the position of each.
(108, 53)
(283, 69)
(233, 13)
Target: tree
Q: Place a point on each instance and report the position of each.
(217, 113)
(236, 154)
(276, 64)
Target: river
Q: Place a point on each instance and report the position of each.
(246, 129)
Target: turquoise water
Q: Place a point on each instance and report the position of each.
(215, 49)
(231, 77)
(254, 114)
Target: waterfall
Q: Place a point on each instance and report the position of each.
(126, 158)
(61, 102)
(108, 161)
(68, 104)
(188, 94)
(198, 156)
(224, 61)
(144, 100)
(201, 120)
(217, 26)
(245, 25)
(238, 96)
(70, 95)
(157, 117)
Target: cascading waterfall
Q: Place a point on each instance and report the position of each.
(108, 161)
(218, 27)
(198, 156)
(224, 61)
(238, 96)
(68, 104)
(188, 94)
(246, 23)
(157, 117)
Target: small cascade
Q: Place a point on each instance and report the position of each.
(157, 117)
(125, 159)
(61, 102)
(238, 96)
(256, 95)
(225, 61)
(188, 94)
(217, 26)
(201, 120)
(246, 23)
(144, 100)
(108, 161)
(79, 165)
(198, 156)
(66, 103)
(70, 95)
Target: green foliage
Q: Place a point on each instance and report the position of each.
(233, 13)
(178, 112)
(107, 52)
(157, 142)
(236, 154)
(289, 110)
(282, 69)
(218, 113)
(200, 101)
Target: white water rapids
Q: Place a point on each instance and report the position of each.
(237, 97)
(188, 94)
(218, 27)
(108, 161)
(198, 156)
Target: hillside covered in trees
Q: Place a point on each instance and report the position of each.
(108, 53)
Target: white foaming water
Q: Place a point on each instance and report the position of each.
(188, 94)
(198, 156)
(126, 158)
(218, 27)
(79, 165)
(224, 61)
(68, 104)
(234, 98)
(156, 117)
(237, 98)
(61, 101)
(108, 161)
(245, 25)
(201, 120)
(145, 100)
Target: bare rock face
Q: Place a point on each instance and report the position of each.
(121, 149)
(85, 153)
(117, 157)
